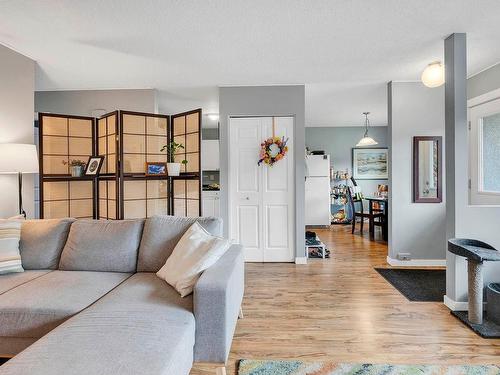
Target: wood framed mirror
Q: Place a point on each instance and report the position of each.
(427, 169)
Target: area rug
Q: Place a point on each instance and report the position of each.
(487, 330)
(417, 285)
(256, 367)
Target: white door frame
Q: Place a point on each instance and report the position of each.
(230, 178)
(486, 102)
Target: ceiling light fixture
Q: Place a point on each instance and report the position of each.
(433, 74)
(366, 140)
(213, 116)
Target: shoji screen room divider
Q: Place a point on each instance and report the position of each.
(62, 139)
(127, 141)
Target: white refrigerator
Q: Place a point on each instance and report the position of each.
(318, 190)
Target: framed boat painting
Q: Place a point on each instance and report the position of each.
(370, 163)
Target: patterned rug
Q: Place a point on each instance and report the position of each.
(254, 367)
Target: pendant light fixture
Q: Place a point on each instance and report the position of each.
(366, 140)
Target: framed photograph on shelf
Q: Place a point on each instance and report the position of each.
(94, 165)
(156, 169)
(369, 163)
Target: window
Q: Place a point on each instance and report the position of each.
(490, 153)
(484, 141)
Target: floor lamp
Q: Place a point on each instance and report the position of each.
(18, 158)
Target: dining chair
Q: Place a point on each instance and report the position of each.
(359, 213)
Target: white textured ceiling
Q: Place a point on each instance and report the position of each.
(344, 51)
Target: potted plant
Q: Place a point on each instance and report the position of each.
(77, 167)
(173, 168)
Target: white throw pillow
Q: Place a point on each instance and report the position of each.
(196, 251)
(10, 235)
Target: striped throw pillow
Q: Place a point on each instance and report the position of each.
(10, 258)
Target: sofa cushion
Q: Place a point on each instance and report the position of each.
(102, 245)
(12, 280)
(37, 307)
(10, 258)
(161, 234)
(42, 242)
(196, 251)
(141, 327)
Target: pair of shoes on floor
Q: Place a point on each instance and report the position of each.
(312, 242)
(316, 253)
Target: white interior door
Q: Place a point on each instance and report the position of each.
(261, 198)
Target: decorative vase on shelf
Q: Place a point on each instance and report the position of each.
(174, 169)
(77, 171)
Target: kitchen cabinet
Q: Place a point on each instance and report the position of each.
(210, 205)
(210, 152)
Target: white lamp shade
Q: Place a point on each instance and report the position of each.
(367, 141)
(18, 157)
(433, 75)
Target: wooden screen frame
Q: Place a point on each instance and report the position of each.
(187, 175)
(42, 177)
(139, 176)
(108, 176)
(119, 176)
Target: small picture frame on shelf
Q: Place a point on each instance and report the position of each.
(156, 169)
(94, 165)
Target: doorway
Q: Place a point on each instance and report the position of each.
(261, 198)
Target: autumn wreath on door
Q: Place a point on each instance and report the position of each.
(272, 149)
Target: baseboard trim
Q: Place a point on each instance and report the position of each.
(456, 305)
(300, 260)
(417, 262)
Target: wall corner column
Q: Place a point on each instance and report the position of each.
(455, 58)
(389, 167)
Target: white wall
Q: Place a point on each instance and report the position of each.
(415, 228)
(17, 86)
(84, 102)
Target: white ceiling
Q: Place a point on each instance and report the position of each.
(344, 51)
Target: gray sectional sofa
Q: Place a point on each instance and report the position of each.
(89, 301)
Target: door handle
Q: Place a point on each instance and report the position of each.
(247, 198)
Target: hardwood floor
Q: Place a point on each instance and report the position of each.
(341, 309)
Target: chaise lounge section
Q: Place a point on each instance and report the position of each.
(105, 311)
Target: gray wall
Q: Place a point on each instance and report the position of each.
(480, 222)
(339, 141)
(210, 133)
(415, 228)
(265, 101)
(17, 86)
(84, 102)
(484, 82)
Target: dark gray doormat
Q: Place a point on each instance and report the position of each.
(487, 330)
(417, 285)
